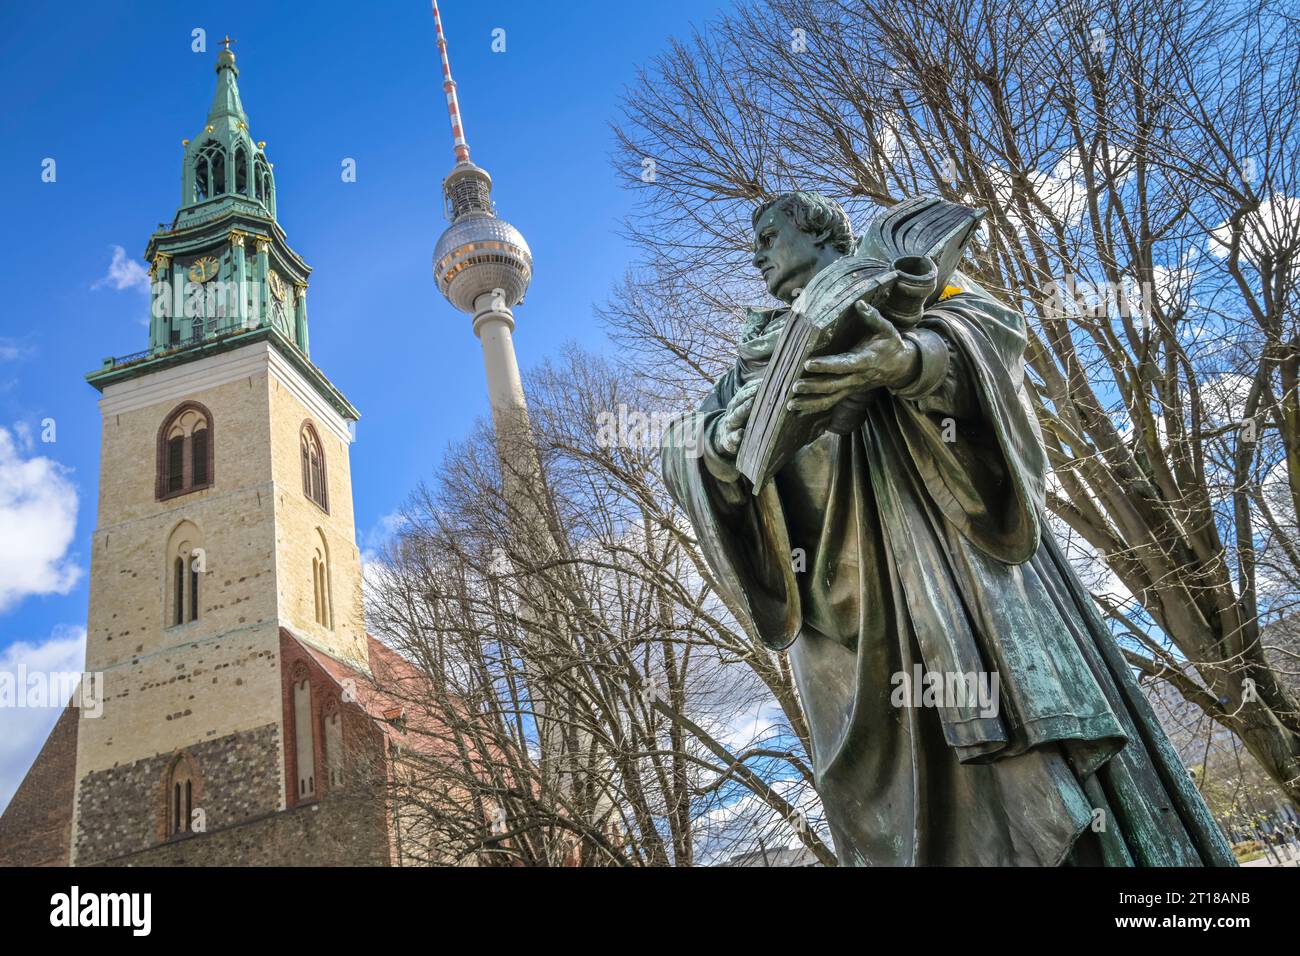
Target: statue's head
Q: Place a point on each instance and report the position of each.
(795, 236)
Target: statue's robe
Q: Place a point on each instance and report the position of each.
(921, 551)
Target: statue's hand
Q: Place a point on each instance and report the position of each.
(884, 359)
(731, 427)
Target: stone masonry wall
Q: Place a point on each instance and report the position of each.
(333, 832)
(122, 810)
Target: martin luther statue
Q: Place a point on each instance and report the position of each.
(919, 516)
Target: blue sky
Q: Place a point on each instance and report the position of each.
(109, 91)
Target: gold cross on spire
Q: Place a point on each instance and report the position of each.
(227, 41)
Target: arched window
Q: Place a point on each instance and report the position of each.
(199, 456)
(209, 171)
(178, 598)
(175, 478)
(316, 568)
(314, 484)
(184, 451)
(263, 184)
(185, 564)
(333, 722)
(182, 795)
(304, 733)
(320, 580)
(241, 170)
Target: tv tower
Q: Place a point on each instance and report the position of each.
(483, 267)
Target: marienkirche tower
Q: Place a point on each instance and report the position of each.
(225, 592)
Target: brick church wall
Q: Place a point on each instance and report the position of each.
(122, 810)
(36, 827)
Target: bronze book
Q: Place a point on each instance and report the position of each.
(901, 265)
(828, 327)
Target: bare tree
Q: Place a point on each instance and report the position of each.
(1137, 161)
(692, 739)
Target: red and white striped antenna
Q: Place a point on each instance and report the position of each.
(449, 86)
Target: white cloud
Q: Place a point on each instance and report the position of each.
(23, 436)
(1269, 229)
(1062, 190)
(736, 826)
(750, 725)
(1172, 285)
(373, 543)
(1090, 568)
(123, 273)
(38, 519)
(384, 530)
(23, 730)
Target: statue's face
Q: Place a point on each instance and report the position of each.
(786, 256)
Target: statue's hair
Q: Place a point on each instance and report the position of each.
(813, 214)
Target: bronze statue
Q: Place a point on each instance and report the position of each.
(967, 705)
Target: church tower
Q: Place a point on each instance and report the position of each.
(225, 583)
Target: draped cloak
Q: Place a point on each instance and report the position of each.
(921, 551)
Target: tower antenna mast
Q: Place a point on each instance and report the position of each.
(449, 87)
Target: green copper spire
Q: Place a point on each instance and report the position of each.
(224, 167)
(226, 101)
(224, 268)
(223, 273)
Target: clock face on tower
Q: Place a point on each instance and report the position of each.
(203, 269)
(277, 285)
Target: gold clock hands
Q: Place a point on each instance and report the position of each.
(204, 269)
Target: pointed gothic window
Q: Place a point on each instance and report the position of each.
(178, 599)
(320, 581)
(320, 588)
(313, 466)
(185, 587)
(304, 734)
(218, 172)
(185, 451)
(333, 744)
(262, 180)
(175, 463)
(209, 171)
(199, 455)
(241, 170)
(184, 567)
(182, 790)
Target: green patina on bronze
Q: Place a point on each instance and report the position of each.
(927, 552)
